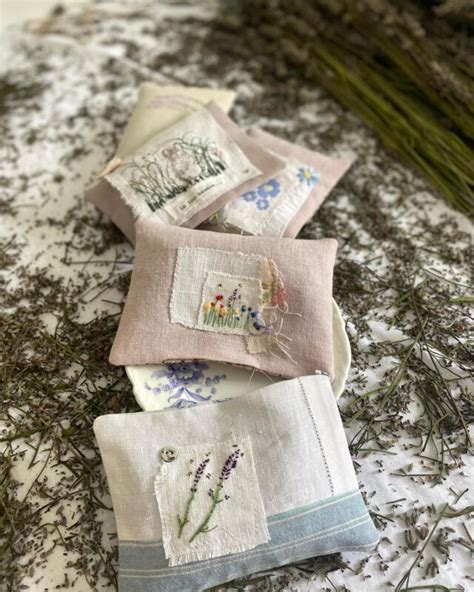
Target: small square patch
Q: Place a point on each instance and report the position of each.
(210, 502)
(196, 268)
(231, 293)
(230, 303)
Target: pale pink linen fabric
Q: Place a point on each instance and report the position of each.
(109, 201)
(147, 336)
(330, 171)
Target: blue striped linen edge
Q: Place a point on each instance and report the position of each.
(339, 523)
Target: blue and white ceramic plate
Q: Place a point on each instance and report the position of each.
(186, 384)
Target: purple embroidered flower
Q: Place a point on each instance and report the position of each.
(250, 196)
(269, 189)
(199, 473)
(229, 465)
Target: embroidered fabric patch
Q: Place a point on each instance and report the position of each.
(209, 501)
(269, 208)
(230, 303)
(193, 267)
(236, 293)
(182, 170)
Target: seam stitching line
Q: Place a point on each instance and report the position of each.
(318, 437)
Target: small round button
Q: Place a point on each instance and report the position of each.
(168, 454)
(257, 327)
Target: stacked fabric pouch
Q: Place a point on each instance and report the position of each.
(205, 495)
(284, 202)
(260, 302)
(183, 174)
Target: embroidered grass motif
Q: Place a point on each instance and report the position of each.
(173, 168)
(231, 304)
(230, 311)
(241, 294)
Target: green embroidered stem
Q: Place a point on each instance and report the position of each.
(182, 522)
(203, 527)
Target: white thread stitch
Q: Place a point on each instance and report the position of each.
(209, 502)
(318, 437)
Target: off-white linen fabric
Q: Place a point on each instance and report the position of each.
(159, 107)
(285, 202)
(120, 204)
(210, 502)
(182, 168)
(221, 270)
(298, 444)
(147, 335)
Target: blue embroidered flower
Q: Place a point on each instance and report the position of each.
(184, 381)
(308, 175)
(250, 196)
(260, 196)
(269, 189)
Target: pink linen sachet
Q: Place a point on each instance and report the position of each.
(254, 301)
(284, 202)
(184, 174)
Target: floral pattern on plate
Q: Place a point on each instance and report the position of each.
(184, 384)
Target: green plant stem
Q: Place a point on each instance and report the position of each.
(182, 522)
(216, 499)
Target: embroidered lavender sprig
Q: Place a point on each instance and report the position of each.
(215, 494)
(197, 477)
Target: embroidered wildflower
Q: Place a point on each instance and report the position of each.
(199, 473)
(263, 204)
(232, 314)
(308, 175)
(269, 189)
(260, 196)
(249, 196)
